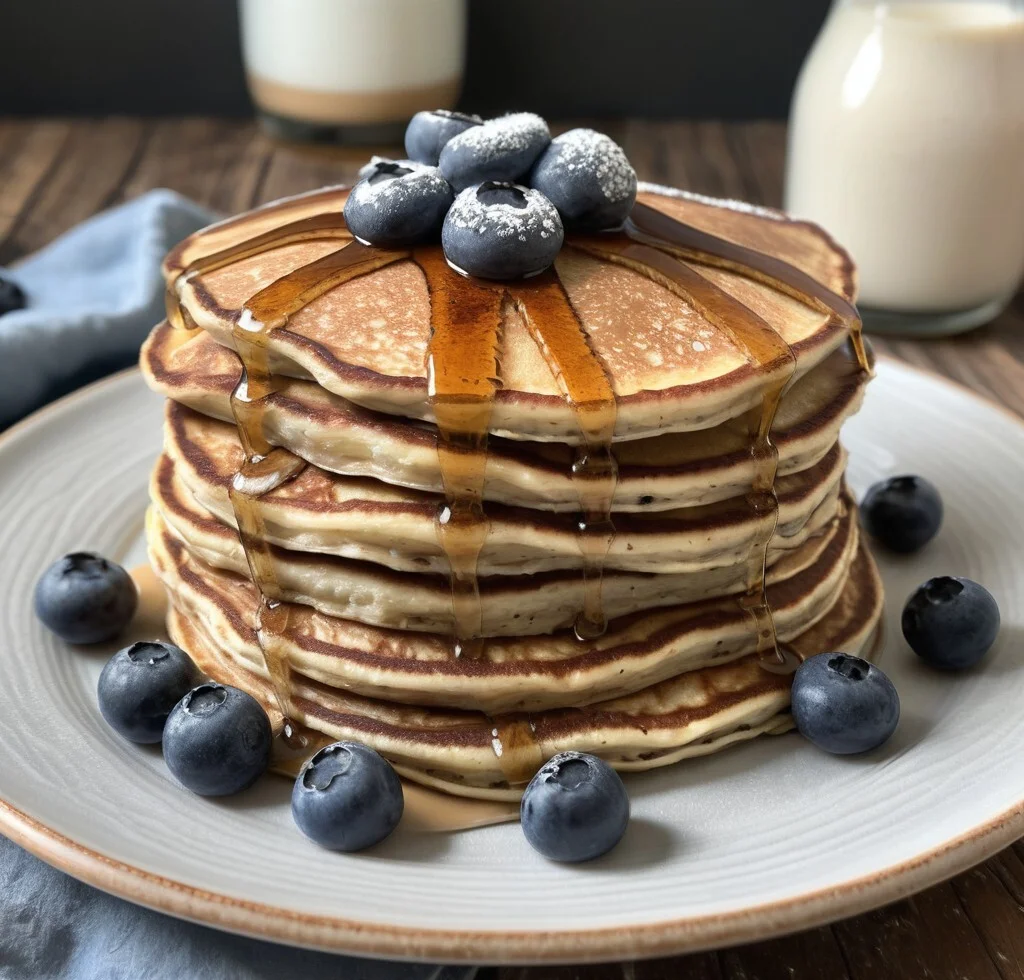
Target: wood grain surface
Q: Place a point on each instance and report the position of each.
(54, 173)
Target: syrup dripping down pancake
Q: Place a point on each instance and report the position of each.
(517, 672)
(363, 519)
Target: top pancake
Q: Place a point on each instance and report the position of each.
(671, 368)
(681, 469)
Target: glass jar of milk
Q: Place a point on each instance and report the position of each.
(907, 144)
(351, 70)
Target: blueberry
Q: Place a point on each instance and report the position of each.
(217, 740)
(500, 149)
(588, 178)
(140, 685)
(397, 205)
(844, 704)
(347, 797)
(370, 168)
(12, 297)
(501, 231)
(84, 598)
(951, 622)
(428, 132)
(575, 808)
(902, 513)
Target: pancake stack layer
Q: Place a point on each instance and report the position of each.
(475, 524)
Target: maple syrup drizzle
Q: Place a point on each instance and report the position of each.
(462, 379)
(327, 225)
(266, 468)
(652, 227)
(516, 747)
(776, 365)
(558, 332)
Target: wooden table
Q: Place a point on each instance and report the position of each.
(54, 173)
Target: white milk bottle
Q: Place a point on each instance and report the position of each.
(351, 70)
(907, 144)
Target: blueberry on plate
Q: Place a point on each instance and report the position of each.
(499, 230)
(347, 797)
(140, 685)
(84, 598)
(429, 132)
(575, 808)
(217, 740)
(397, 205)
(12, 296)
(586, 175)
(844, 704)
(951, 622)
(902, 513)
(500, 149)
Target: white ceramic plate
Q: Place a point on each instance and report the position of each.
(768, 837)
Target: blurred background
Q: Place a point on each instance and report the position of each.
(731, 59)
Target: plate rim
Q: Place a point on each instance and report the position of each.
(642, 940)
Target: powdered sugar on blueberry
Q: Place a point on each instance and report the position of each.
(501, 149)
(589, 151)
(588, 177)
(501, 230)
(398, 205)
(429, 132)
(517, 191)
(382, 188)
(367, 169)
(493, 206)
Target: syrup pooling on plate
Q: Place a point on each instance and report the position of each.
(558, 332)
(462, 378)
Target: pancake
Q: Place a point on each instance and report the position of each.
(479, 755)
(366, 520)
(436, 585)
(511, 605)
(513, 673)
(673, 367)
(661, 473)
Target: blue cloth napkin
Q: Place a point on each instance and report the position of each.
(93, 296)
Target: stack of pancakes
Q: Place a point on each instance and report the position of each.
(359, 561)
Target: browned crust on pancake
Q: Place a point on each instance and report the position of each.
(424, 504)
(707, 615)
(454, 728)
(173, 261)
(493, 585)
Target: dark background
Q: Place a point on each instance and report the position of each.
(692, 58)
